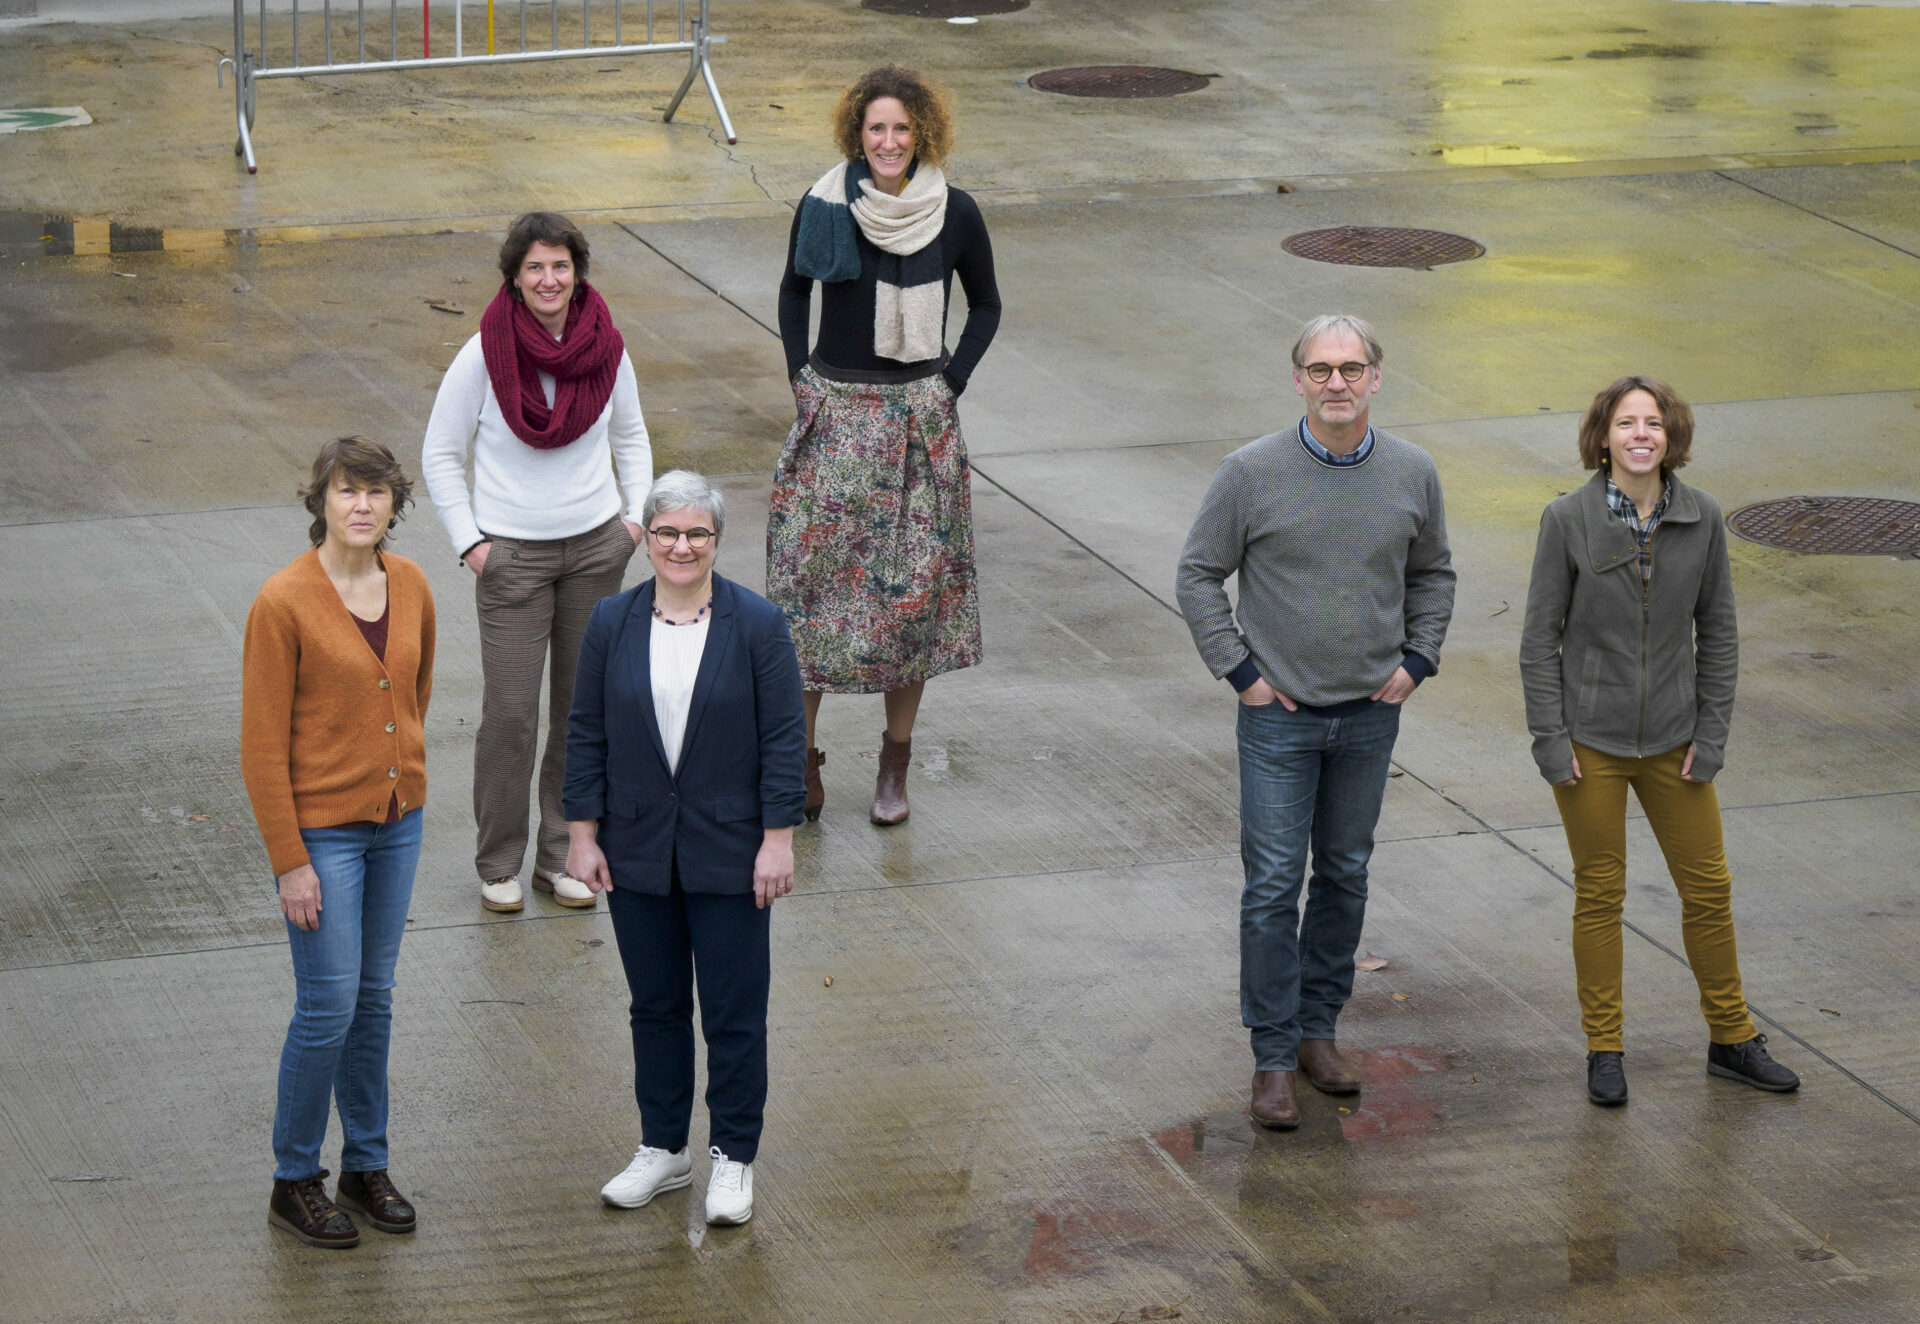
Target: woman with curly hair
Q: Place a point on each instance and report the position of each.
(1628, 658)
(870, 535)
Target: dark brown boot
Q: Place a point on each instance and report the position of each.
(1326, 1070)
(302, 1208)
(816, 792)
(890, 787)
(1274, 1106)
(373, 1194)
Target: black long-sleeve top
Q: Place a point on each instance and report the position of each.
(846, 307)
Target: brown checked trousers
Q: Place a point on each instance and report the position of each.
(534, 599)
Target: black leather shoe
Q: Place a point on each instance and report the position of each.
(373, 1194)
(1606, 1079)
(1749, 1064)
(302, 1208)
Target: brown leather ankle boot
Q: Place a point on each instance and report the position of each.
(890, 787)
(816, 792)
(1327, 1069)
(1273, 1104)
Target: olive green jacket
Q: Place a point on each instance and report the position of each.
(1627, 672)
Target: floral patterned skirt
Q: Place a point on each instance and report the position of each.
(870, 534)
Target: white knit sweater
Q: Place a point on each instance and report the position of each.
(518, 490)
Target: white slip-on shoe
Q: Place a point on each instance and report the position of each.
(501, 894)
(651, 1172)
(729, 1190)
(567, 890)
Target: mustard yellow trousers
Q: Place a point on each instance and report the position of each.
(1685, 817)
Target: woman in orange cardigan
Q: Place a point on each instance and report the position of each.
(339, 665)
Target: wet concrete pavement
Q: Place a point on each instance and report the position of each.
(1022, 1095)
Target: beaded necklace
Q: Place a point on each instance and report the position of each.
(695, 619)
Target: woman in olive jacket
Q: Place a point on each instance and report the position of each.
(1628, 659)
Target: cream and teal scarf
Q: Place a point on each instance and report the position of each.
(909, 304)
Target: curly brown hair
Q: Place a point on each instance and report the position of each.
(929, 112)
(364, 460)
(1675, 416)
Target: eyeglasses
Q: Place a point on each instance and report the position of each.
(696, 538)
(1352, 372)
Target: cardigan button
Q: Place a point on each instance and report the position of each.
(389, 726)
(385, 684)
(393, 772)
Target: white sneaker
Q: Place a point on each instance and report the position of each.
(501, 894)
(729, 1190)
(568, 891)
(651, 1172)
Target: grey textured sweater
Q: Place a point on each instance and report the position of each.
(1345, 573)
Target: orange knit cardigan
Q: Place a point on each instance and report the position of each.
(327, 733)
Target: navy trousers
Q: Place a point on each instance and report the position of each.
(667, 943)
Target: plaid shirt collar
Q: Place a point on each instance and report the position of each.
(1622, 505)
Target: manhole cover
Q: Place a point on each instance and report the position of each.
(945, 8)
(1118, 80)
(1841, 526)
(1383, 246)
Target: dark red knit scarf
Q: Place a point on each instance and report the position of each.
(583, 364)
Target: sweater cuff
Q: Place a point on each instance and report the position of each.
(1417, 666)
(958, 384)
(1243, 675)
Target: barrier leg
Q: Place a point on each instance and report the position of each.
(243, 86)
(713, 90)
(699, 63)
(693, 69)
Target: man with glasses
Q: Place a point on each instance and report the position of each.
(1337, 533)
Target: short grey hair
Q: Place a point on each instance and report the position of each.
(1327, 322)
(679, 489)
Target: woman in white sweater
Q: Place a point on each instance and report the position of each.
(546, 402)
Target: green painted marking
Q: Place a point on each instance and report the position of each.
(17, 121)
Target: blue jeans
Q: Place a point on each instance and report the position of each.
(1305, 780)
(343, 1006)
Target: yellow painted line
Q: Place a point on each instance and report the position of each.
(91, 236)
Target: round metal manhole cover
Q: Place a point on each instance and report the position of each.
(1383, 246)
(945, 8)
(1118, 80)
(1839, 526)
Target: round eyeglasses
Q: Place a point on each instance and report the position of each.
(667, 537)
(1351, 372)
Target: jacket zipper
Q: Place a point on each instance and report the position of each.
(1646, 619)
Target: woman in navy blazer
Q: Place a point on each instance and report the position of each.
(686, 754)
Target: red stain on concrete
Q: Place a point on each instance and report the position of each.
(1391, 1107)
(1066, 1242)
(1177, 1141)
(1397, 1062)
(1388, 1207)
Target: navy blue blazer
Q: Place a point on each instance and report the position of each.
(742, 763)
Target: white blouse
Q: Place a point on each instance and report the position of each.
(520, 492)
(676, 651)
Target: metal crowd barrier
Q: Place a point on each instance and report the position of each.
(692, 34)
